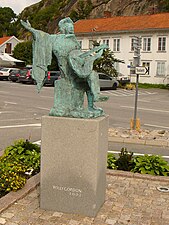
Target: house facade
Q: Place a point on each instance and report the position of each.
(8, 43)
(119, 33)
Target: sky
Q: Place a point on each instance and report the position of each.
(17, 5)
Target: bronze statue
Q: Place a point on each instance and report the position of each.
(76, 66)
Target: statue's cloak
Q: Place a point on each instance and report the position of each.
(42, 56)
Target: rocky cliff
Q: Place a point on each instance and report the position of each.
(46, 14)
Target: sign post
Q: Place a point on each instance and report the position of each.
(137, 46)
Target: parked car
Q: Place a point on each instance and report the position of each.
(122, 79)
(51, 77)
(25, 76)
(4, 72)
(14, 75)
(107, 81)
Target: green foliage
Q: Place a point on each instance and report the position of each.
(163, 6)
(12, 177)
(145, 85)
(151, 164)
(111, 160)
(7, 17)
(105, 64)
(19, 162)
(23, 51)
(124, 162)
(82, 11)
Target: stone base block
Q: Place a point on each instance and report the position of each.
(73, 164)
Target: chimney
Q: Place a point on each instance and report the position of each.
(107, 14)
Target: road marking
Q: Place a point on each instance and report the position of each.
(126, 93)
(42, 108)
(153, 110)
(151, 125)
(12, 103)
(8, 112)
(5, 92)
(137, 154)
(43, 96)
(141, 100)
(22, 125)
(21, 119)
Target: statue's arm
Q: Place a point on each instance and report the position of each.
(27, 26)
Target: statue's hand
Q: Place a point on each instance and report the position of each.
(27, 25)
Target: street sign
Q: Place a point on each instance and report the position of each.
(141, 70)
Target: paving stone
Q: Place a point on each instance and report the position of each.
(7, 215)
(140, 207)
(2, 221)
(111, 221)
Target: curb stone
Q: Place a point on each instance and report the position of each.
(33, 182)
(161, 143)
(12, 197)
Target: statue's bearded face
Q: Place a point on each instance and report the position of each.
(66, 28)
(69, 29)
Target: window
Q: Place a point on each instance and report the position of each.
(132, 44)
(147, 64)
(91, 42)
(116, 44)
(146, 44)
(160, 68)
(161, 43)
(8, 48)
(80, 43)
(106, 42)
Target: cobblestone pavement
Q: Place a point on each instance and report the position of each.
(129, 200)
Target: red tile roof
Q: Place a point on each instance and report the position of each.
(123, 23)
(4, 39)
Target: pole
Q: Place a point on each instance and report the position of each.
(137, 63)
(136, 100)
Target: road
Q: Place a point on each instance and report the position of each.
(21, 109)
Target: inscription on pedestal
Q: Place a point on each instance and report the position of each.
(75, 192)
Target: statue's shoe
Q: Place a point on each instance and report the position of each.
(101, 98)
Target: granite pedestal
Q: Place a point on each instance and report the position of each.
(73, 164)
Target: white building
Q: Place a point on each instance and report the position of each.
(118, 33)
(7, 45)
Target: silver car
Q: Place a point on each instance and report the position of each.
(107, 81)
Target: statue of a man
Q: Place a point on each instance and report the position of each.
(77, 75)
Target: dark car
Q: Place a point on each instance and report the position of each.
(25, 76)
(51, 77)
(14, 75)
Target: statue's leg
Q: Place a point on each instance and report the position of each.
(93, 81)
(91, 107)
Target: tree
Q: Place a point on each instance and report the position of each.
(7, 18)
(23, 51)
(105, 64)
(82, 11)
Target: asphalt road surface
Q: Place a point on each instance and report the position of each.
(21, 109)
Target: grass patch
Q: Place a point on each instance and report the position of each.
(146, 86)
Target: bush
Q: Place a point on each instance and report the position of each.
(124, 162)
(19, 162)
(111, 159)
(147, 164)
(151, 164)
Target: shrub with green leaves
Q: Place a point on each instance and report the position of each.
(124, 162)
(19, 162)
(111, 159)
(151, 164)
